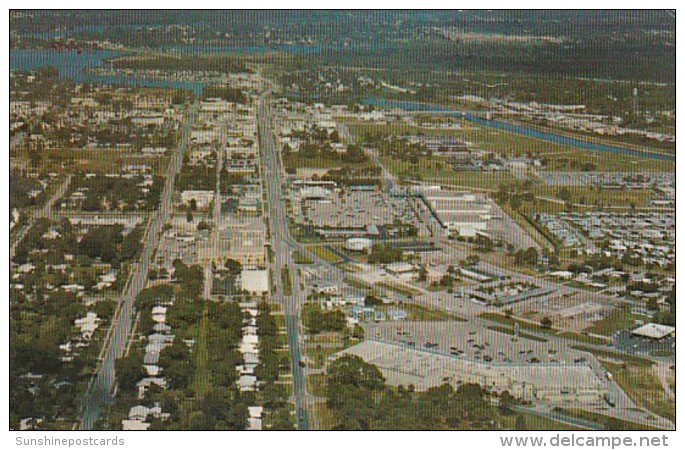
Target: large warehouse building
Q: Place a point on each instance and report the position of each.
(553, 383)
(460, 213)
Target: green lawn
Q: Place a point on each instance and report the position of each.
(510, 331)
(286, 281)
(617, 320)
(324, 253)
(301, 258)
(422, 313)
(643, 386)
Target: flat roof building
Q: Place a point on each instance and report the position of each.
(654, 331)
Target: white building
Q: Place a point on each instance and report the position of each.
(358, 244)
(255, 281)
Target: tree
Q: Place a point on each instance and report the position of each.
(520, 423)
(471, 260)
(234, 267)
(614, 424)
(506, 401)
(283, 420)
(564, 194)
(423, 274)
(129, 370)
(515, 202)
(546, 322)
(652, 305)
(531, 256)
(372, 300)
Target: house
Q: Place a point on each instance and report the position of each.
(144, 384)
(247, 383)
(134, 425)
(159, 314)
(202, 198)
(87, 325)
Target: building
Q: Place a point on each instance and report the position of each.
(460, 213)
(558, 384)
(314, 193)
(654, 331)
(402, 270)
(358, 244)
(255, 281)
(202, 198)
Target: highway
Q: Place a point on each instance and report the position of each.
(99, 392)
(282, 246)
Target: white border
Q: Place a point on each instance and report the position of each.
(280, 440)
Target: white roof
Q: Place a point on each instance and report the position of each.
(653, 331)
(134, 425)
(255, 411)
(254, 424)
(255, 280)
(158, 310)
(400, 267)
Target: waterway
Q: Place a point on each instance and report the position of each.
(72, 64)
(518, 129)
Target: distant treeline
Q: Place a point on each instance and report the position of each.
(633, 60)
(225, 92)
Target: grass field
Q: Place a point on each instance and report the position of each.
(559, 156)
(602, 419)
(635, 360)
(402, 289)
(301, 258)
(286, 281)
(324, 253)
(422, 313)
(643, 386)
(617, 320)
(510, 331)
(523, 325)
(95, 160)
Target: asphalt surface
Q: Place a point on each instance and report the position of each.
(282, 246)
(100, 391)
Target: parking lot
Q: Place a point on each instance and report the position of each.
(354, 209)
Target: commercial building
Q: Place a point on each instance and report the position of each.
(559, 384)
(462, 214)
(654, 331)
(358, 244)
(255, 281)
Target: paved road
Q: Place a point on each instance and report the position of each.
(216, 215)
(40, 213)
(99, 392)
(282, 247)
(558, 417)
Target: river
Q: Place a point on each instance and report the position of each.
(519, 129)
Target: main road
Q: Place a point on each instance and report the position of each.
(282, 246)
(101, 388)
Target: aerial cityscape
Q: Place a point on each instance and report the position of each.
(342, 220)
